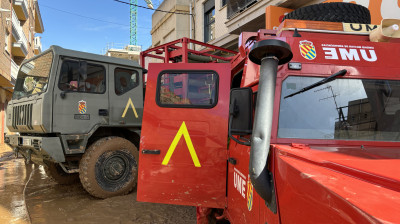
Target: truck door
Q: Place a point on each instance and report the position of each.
(80, 94)
(183, 147)
(126, 96)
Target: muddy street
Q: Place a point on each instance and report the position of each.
(13, 176)
(27, 195)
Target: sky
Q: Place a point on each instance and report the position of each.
(89, 25)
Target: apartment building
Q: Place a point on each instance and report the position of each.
(167, 27)
(20, 21)
(129, 52)
(217, 22)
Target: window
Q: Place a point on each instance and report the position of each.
(347, 109)
(187, 89)
(33, 76)
(223, 3)
(79, 76)
(6, 40)
(125, 80)
(209, 21)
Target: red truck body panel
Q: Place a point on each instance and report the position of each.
(359, 185)
(182, 180)
(315, 180)
(342, 184)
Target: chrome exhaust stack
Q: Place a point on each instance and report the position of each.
(389, 28)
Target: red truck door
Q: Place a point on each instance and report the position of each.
(183, 147)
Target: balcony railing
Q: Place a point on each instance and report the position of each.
(237, 6)
(19, 35)
(14, 70)
(38, 45)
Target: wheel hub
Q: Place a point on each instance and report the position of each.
(115, 167)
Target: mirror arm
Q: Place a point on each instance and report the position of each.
(231, 136)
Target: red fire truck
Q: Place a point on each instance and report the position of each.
(312, 112)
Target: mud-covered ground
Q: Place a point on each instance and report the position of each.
(27, 195)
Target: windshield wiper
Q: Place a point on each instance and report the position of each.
(326, 80)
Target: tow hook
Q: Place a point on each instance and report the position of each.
(15, 152)
(28, 157)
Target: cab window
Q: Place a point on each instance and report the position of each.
(196, 89)
(92, 81)
(345, 109)
(125, 80)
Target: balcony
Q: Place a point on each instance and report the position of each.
(39, 28)
(248, 15)
(237, 6)
(20, 44)
(38, 45)
(21, 9)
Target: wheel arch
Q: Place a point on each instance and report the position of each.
(132, 135)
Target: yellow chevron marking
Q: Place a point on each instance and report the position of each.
(130, 103)
(182, 131)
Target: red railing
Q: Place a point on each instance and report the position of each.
(178, 51)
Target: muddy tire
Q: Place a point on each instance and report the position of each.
(332, 12)
(109, 167)
(56, 173)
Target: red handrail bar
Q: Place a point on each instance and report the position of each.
(171, 50)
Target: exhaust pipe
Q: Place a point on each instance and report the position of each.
(269, 54)
(389, 28)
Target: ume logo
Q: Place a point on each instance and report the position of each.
(352, 54)
(239, 181)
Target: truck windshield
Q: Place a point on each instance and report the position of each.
(346, 109)
(33, 76)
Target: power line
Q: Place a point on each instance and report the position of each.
(87, 17)
(100, 20)
(158, 10)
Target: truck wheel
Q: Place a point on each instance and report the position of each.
(56, 173)
(332, 12)
(109, 167)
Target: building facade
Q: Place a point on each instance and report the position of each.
(220, 22)
(167, 27)
(210, 23)
(129, 52)
(20, 21)
(234, 17)
(217, 22)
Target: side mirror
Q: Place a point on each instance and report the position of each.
(62, 95)
(83, 68)
(241, 113)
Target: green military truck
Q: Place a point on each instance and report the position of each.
(79, 115)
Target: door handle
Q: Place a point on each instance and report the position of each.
(232, 161)
(151, 151)
(103, 112)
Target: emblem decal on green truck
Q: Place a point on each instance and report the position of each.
(82, 107)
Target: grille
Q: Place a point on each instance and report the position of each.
(36, 143)
(22, 116)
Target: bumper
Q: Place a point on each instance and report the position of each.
(38, 148)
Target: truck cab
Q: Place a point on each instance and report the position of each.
(300, 127)
(66, 101)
